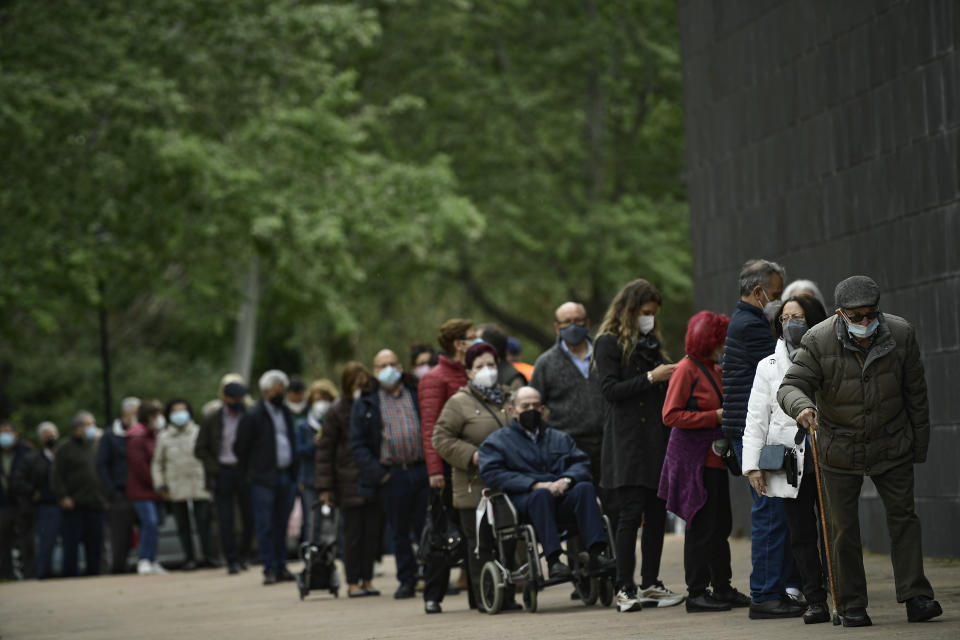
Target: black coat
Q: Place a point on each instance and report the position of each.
(634, 437)
(34, 476)
(13, 489)
(749, 340)
(366, 436)
(336, 470)
(112, 463)
(256, 446)
(207, 447)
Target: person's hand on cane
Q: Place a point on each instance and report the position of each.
(809, 419)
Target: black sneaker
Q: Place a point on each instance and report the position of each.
(705, 603)
(626, 599)
(558, 570)
(404, 591)
(432, 606)
(269, 578)
(732, 597)
(855, 617)
(233, 568)
(920, 608)
(782, 607)
(816, 613)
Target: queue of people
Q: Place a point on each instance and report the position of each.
(757, 394)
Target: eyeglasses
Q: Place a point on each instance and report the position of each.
(857, 317)
(566, 323)
(795, 316)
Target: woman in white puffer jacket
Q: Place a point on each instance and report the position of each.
(178, 476)
(768, 424)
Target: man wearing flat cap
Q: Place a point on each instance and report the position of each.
(859, 381)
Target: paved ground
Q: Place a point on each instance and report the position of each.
(211, 604)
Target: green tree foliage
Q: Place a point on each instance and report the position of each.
(389, 164)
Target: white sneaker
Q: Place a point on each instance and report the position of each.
(144, 567)
(157, 569)
(794, 594)
(627, 599)
(657, 595)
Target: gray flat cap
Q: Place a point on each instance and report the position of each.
(857, 291)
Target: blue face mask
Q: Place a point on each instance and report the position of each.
(6, 440)
(90, 433)
(860, 331)
(389, 376)
(180, 418)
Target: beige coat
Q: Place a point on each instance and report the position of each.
(175, 468)
(462, 427)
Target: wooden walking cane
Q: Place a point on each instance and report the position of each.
(823, 523)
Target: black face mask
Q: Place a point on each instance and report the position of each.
(531, 420)
(236, 407)
(51, 443)
(277, 400)
(574, 334)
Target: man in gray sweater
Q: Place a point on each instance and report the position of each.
(568, 384)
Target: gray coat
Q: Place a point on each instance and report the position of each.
(872, 404)
(576, 403)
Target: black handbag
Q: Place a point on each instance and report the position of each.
(728, 455)
(441, 539)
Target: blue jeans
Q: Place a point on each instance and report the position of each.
(578, 504)
(774, 568)
(86, 525)
(48, 530)
(149, 517)
(404, 498)
(271, 511)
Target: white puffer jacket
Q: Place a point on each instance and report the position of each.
(175, 467)
(768, 424)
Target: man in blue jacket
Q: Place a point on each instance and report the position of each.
(387, 446)
(749, 340)
(546, 477)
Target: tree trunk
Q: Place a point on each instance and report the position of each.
(246, 336)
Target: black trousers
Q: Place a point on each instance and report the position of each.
(475, 562)
(706, 550)
(842, 497)
(361, 540)
(201, 513)
(231, 487)
(121, 518)
(638, 505)
(8, 536)
(802, 521)
(436, 573)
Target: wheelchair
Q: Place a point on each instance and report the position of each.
(591, 586)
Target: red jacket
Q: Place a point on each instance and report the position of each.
(692, 402)
(434, 390)
(141, 442)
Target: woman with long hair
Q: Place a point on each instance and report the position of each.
(633, 370)
(337, 482)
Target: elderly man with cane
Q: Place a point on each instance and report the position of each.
(858, 380)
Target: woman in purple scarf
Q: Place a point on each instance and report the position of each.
(694, 479)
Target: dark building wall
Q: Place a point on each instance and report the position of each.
(823, 134)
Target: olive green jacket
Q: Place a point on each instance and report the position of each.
(872, 404)
(463, 425)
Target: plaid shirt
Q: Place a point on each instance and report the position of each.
(401, 429)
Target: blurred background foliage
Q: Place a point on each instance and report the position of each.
(377, 166)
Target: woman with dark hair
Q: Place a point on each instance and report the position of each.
(767, 424)
(178, 476)
(141, 443)
(633, 370)
(694, 481)
(337, 483)
(468, 417)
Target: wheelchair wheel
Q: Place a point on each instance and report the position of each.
(607, 590)
(491, 587)
(530, 597)
(588, 588)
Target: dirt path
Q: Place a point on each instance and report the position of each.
(212, 605)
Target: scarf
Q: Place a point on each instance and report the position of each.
(492, 394)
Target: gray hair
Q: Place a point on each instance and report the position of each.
(757, 272)
(130, 404)
(804, 285)
(272, 377)
(80, 417)
(46, 425)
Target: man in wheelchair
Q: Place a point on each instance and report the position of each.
(548, 479)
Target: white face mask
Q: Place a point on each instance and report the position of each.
(319, 409)
(357, 393)
(486, 377)
(297, 407)
(645, 323)
(160, 423)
